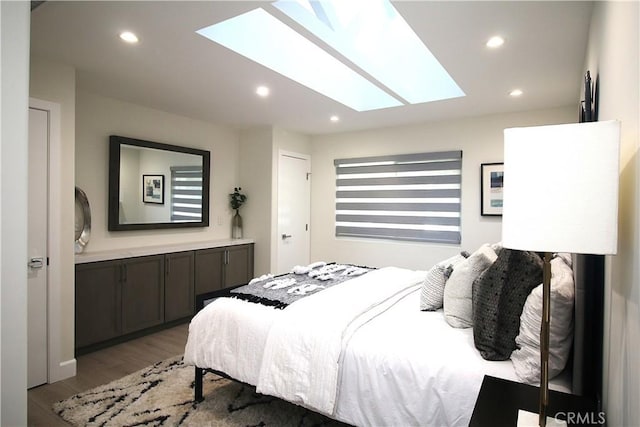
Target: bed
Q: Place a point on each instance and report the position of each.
(361, 351)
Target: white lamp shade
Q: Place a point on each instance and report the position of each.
(561, 188)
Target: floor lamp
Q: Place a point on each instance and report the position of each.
(560, 195)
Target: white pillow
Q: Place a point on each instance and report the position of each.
(458, 306)
(497, 247)
(432, 293)
(526, 358)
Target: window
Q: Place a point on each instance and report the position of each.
(186, 193)
(385, 63)
(402, 197)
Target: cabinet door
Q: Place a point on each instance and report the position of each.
(178, 286)
(98, 300)
(142, 293)
(239, 265)
(209, 270)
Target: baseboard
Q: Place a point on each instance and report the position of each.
(64, 370)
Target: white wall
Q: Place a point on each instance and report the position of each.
(98, 117)
(256, 166)
(612, 58)
(481, 141)
(14, 84)
(259, 150)
(291, 141)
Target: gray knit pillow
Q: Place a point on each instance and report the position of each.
(432, 292)
(499, 294)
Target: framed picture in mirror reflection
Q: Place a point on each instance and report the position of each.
(153, 189)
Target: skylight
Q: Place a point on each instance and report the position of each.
(390, 66)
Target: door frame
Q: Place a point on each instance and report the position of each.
(57, 368)
(307, 158)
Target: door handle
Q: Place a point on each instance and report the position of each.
(286, 236)
(36, 262)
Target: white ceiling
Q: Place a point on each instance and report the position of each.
(175, 70)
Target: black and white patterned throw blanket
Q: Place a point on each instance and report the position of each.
(280, 291)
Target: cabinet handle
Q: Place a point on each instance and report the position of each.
(168, 266)
(124, 269)
(226, 257)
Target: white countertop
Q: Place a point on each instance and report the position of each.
(107, 255)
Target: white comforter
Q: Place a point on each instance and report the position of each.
(229, 335)
(309, 336)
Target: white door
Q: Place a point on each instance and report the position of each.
(294, 210)
(37, 247)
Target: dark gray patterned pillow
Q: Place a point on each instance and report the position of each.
(499, 294)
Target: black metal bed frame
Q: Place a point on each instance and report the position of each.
(200, 372)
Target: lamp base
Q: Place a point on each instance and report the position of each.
(530, 419)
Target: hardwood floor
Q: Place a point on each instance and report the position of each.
(103, 366)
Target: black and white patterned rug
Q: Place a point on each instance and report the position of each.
(162, 395)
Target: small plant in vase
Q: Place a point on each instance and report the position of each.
(237, 200)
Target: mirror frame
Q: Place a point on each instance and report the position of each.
(115, 142)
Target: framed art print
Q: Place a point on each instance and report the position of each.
(153, 189)
(491, 179)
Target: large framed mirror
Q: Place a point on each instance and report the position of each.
(154, 185)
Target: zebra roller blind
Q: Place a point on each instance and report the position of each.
(402, 197)
(186, 193)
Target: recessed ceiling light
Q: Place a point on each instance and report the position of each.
(129, 37)
(262, 91)
(495, 41)
(515, 92)
(334, 118)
